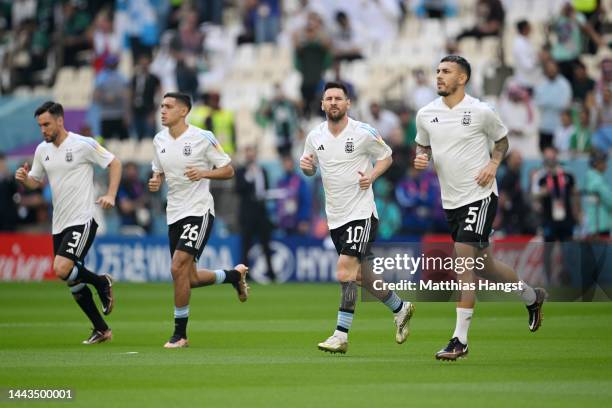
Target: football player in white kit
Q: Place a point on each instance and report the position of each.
(344, 149)
(188, 157)
(68, 160)
(455, 130)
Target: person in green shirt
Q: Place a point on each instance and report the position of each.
(598, 207)
(595, 254)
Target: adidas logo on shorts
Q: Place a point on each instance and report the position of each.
(189, 244)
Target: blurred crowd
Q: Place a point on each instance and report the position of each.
(554, 111)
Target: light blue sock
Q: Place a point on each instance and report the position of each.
(219, 276)
(393, 302)
(180, 312)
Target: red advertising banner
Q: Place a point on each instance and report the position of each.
(26, 257)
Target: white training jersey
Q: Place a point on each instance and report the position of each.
(460, 144)
(340, 159)
(69, 168)
(194, 148)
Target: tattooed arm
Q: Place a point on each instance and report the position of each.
(487, 175)
(423, 154)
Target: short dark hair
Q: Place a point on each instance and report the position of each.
(54, 108)
(339, 85)
(183, 98)
(462, 62)
(522, 25)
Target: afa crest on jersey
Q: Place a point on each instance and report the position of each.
(68, 156)
(349, 147)
(187, 150)
(467, 118)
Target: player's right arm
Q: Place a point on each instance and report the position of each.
(423, 149)
(308, 162)
(156, 181)
(22, 176)
(157, 178)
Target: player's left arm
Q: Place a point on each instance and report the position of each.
(114, 177)
(381, 166)
(487, 175)
(497, 132)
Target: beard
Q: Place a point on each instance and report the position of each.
(449, 91)
(336, 117)
(51, 138)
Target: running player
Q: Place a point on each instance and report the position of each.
(187, 157)
(345, 149)
(68, 161)
(455, 131)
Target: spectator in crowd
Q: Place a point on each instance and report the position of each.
(76, 24)
(490, 17)
(105, 41)
(436, 8)
(552, 96)
(595, 248)
(260, 21)
(418, 195)
(28, 53)
(383, 120)
(346, 40)
(381, 17)
(133, 202)
(390, 216)
(580, 141)
(252, 187)
(294, 206)
(602, 138)
(111, 93)
(312, 58)
(283, 114)
(556, 190)
(407, 120)
(220, 121)
(186, 73)
(568, 28)
(422, 92)
(140, 24)
(401, 155)
(527, 71)
(515, 211)
(583, 87)
(8, 194)
(598, 207)
(521, 117)
(190, 38)
(564, 132)
(145, 91)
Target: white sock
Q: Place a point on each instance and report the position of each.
(527, 294)
(464, 318)
(341, 335)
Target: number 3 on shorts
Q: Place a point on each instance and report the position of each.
(190, 232)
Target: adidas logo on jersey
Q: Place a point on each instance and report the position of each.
(354, 247)
(321, 148)
(468, 228)
(189, 244)
(47, 158)
(434, 120)
(163, 150)
(70, 251)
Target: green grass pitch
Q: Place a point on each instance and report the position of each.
(263, 353)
